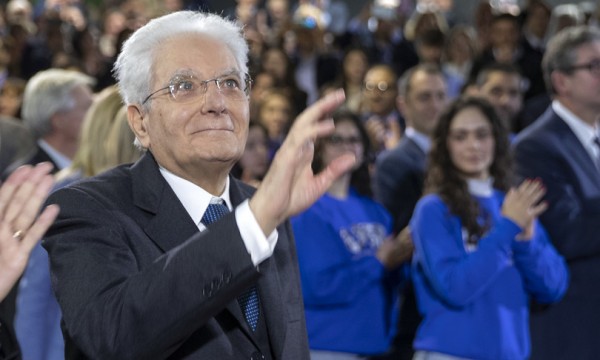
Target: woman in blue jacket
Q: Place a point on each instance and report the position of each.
(480, 254)
(350, 269)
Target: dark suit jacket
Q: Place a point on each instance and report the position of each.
(548, 149)
(40, 155)
(136, 280)
(399, 178)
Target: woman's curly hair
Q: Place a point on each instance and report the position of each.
(444, 179)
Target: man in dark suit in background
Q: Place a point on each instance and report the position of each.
(171, 257)
(54, 105)
(400, 172)
(560, 148)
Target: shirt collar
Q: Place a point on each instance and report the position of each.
(59, 159)
(582, 130)
(481, 188)
(422, 140)
(194, 199)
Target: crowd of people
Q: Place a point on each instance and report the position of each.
(286, 181)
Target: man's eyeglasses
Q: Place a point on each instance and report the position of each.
(381, 86)
(188, 88)
(337, 140)
(592, 66)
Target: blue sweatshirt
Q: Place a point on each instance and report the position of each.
(475, 299)
(349, 297)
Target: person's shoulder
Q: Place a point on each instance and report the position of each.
(402, 153)
(112, 185)
(431, 201)
(429, 209)
(540, 132)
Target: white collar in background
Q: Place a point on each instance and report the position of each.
(482, 188)
(59, 159)
(422, 140)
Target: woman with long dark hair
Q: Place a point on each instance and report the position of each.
(480, 255)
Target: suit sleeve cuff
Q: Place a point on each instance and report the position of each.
(258, 245)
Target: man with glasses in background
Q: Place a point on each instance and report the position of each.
(171, 257)
(384, 123)
(561, 148)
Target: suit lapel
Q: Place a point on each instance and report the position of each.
(575, 153)
(272, 298)
(416, 152)
(170, 224)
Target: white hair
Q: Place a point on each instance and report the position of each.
(133, 66)
(47, 93)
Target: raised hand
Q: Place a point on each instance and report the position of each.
(523, 205)
(290, 185)
(21, 197)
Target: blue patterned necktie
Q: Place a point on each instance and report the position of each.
(249, 301)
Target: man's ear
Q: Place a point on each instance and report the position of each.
(401, 104)
(559, 81)
(137, 123)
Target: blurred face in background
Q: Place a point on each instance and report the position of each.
(275, 62)
(471, 143)
(503, 91)
(461, 47)
(380, 91)
(275, 114)
(425, 99)
(345, 138)
(11, 97)
(504, 33)
(355, 66)
(255, 160)
(537, 19)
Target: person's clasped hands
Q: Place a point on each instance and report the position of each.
(523, 204)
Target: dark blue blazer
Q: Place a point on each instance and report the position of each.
(135, 279)
(549, 150)
(399, 177)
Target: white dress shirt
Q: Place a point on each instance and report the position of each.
(195, 200)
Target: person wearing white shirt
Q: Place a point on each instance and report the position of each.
(559, 149)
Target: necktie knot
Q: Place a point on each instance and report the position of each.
(214, 212)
